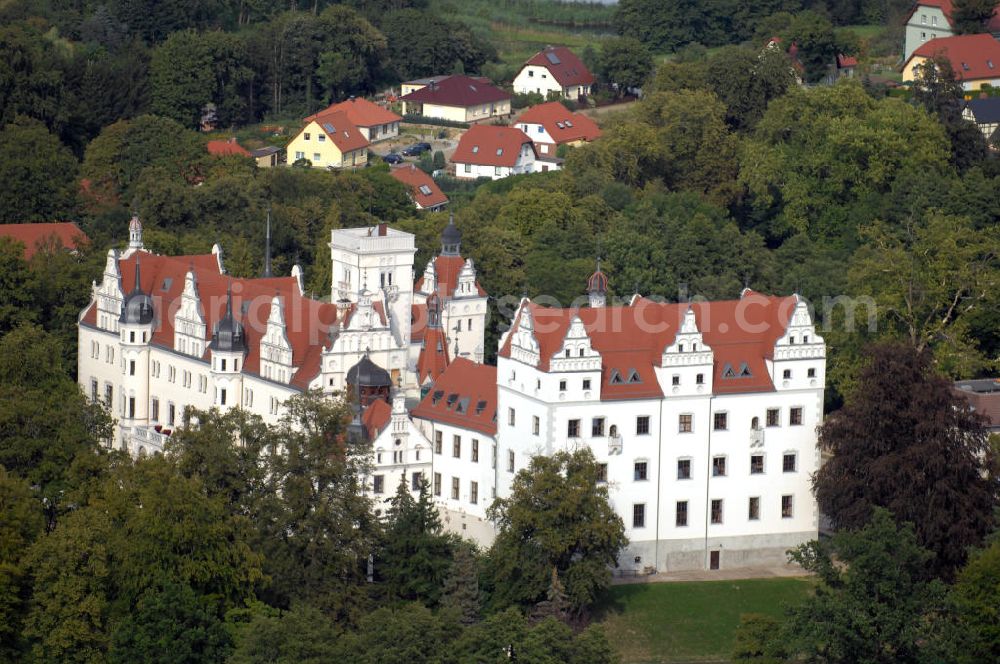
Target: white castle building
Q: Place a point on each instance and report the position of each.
(162, 333)
(702, 416)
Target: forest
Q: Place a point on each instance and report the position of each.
(880, 209)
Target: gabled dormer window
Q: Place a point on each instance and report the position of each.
(745, 371)
(616, 378)
(436, 397)
(727, 371)
(633, 377)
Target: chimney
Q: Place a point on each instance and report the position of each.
(382, 229)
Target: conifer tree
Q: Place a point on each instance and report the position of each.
(461, 588)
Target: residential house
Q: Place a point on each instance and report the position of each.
(376, 123)
(329, 140)
(267, 156)
(975, 59)
(36, 236)
(420, 83)
(931, 19)
(551, 124)
(554, 69)
(458, 99)
(846, 66)
(985, 112)
(226, 147)
(423, 190)
(494, 152)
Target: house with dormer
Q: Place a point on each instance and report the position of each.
(932, 19)
(329, 140)
(975, 59)
(555, 69)
(495, 152)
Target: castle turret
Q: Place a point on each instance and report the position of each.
(597, 287)
(228, 348)
(135, 328)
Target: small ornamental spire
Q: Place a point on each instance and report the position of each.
(597, 287)
(135, 233)
(267, 246)
(451, 238)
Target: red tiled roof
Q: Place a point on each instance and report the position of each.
(490, 145)
(34, 236)
(433, 358)
(458, 90)
(414, 178)
(567, 70)
(223, 148)
(446, 271)
(972, 57)
(634, 337)
(845, 61)
(361, 112)
(308, 321)
(339, 129)
(418, 321)
(554, 117)
(376, 418)
(476, 385)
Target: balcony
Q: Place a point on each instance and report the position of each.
(147, 439)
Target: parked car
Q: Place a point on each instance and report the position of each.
(416, 149)
(392, 158)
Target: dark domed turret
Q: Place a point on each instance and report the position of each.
(451, 238)
(368, 374)
(229, 336)
(138, 306)
(597, 287)
(368, 382)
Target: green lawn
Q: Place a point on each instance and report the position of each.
(691, 621)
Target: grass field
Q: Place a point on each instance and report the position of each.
(689, 622)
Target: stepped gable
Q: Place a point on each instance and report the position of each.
(446, 271)
(634, 337)
(465, 395)
(309, 322)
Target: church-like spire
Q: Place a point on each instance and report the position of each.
(135, 233)
(451, 238)
(267, 246)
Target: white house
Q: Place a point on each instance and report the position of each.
(932, 19)
(494, 152)
(703, 417)
(556, 69)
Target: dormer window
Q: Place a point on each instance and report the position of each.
(616, 378)
(475, 149)
(727, 371)
(965, 66)
(436, 397)
(633, 377)
(745, 371)
(499, 152)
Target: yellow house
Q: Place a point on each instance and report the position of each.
(329, 141)
(975, 59)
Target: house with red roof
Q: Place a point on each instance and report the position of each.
(376, 122)
(975, 59)
(38, 236)
(932, 19)
(423, 190)
(456, 98)
(557, 70)
(329, 140)
(493, 151)
(701, 416)
(226, 147)
(551, 124)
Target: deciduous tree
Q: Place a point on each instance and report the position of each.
(557, 516)
(905, 442)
